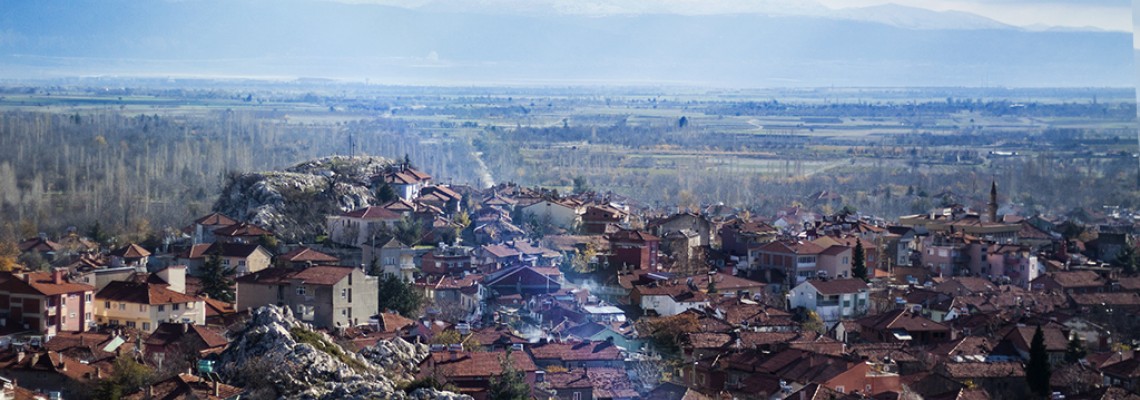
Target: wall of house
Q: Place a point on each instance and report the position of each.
(836, 266)
(146, 317)
(75, 311)
(558, 214)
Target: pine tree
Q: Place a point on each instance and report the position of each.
(399, 296)
(1127, 259)
(385, 193)
(510, 384)
(858, 262)
(217, 279)
(1037, 371)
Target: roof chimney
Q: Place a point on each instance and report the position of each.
(57, 276)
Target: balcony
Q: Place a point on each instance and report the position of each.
(51, 311)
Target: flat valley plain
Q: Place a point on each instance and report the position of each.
(883, 151)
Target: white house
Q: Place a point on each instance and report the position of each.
(564, 214)
(667, 299)
(832, 300)
(359, 226)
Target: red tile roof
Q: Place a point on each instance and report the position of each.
(215, 219)
(142, 293)
(577, 351)
(186, 386)
(838, 286)
(478, 364)
(326, 275)
(41, 283)
(130, 251)
(305, 254)
(373, 212)
(39, 245)
(242, 229)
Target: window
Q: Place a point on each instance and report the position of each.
(72, 315)
(114, 322)
(344, 312)
(840, 389)
(301, 290)
(87, 316)
(344, 293)
(189, 306)
(161, 308)
(142, 307)
(122, 306)
(241, 263)
(577, 395)
(226, 262)
(107, 305)
(350, 293)
(174, 307)
(146, 326)
(87, 297)
(130, 324)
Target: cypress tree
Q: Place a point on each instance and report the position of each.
(1037, 371)
(858, 262)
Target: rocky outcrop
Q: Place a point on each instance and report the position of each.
(398, 357)
(293, 204)
(277, 350)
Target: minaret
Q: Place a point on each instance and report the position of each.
(993, 206)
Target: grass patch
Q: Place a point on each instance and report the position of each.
(302, 335)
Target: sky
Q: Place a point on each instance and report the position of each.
(1113, 15)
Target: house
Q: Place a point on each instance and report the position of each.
(176, 339)
(903, 326)
(356, 227)
(1125, 374)
(497, 231)
(633, 249)
(186, 386)
(42, 246)
(667, 298)
(738, 236)
(441, 197)
(591, 384)
(565, 214)
(456, 299)
(202, 229)
(131, 255)
(523, 280)
(597, 218)
(1016, 263)
(49, 371)
(404, 180)
(835, 262)
(145, 302)
(325, 296)
(493, 257)
(572, 355)
(244, 258)
(1077, 281)
(992, 377)
(302, 257)
(448, 260)
(1020, 337)
(384, 254)
(241, 233)
(46, 302)
(833, 299)
(471, 372)
(692, 222)
(619, 333)
(798, 260)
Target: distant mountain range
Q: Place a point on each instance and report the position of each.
(791, 44)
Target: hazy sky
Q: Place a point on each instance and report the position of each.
(1104, 14)
(1113, 15)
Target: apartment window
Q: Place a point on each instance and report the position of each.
(87, 316)
(226, 262)
(161, 308)
(146, 326)
(87, 297)
(577, 395)
(114, 322)
(174, 307)
(301, 290)
(840, 389)
(107, 305)
(344, 312)
(130, 324)
(344, 293)
(350, 294)
(122, 306)
(241, 263)
(142, 307)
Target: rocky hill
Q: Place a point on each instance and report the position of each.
(293, 203)
(277, 356)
